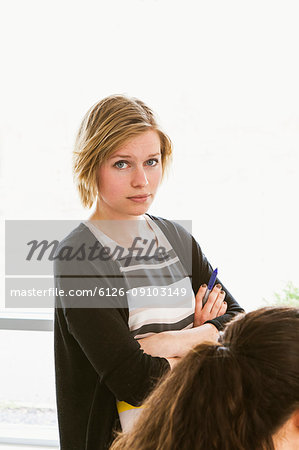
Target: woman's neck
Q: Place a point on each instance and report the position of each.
(123, 231)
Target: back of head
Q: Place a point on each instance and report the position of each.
(262, 351)
(232, 395)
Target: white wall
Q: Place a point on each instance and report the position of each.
(223, 79)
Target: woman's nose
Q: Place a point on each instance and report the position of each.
(139, 177)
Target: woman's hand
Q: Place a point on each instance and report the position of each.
(214, 307)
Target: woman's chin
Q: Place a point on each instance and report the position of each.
(138, 211)
(139, 208)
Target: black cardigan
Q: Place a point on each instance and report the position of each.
(96, 358)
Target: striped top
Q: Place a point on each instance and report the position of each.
(159, 293)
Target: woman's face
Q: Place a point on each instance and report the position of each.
(134, 169)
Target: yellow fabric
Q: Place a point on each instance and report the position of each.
(124, 406)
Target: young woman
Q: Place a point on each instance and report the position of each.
(147, 276)
(242, 393)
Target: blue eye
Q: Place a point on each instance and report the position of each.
(154, 159)
(125, 162)
(119, 162)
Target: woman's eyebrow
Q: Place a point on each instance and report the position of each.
(129, 156)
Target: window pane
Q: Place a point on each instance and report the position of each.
(27, 397)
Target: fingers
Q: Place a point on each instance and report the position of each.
(214, 307)
(213, 297)
(200, 295)
(222, 309)
(218, 302)
(201, 291)
(198, 312)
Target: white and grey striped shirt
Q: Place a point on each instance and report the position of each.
(159, 294)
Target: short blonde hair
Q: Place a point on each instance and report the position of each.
(106, 126)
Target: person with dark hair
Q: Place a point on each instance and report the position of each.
(241, 393)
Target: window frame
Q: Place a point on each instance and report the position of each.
(27, 321)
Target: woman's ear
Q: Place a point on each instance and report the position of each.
(295, 418)
(287, 437)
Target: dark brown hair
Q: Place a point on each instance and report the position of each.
(232, 395)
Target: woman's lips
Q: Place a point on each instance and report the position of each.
(139, 199)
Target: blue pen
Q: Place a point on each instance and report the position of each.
(210, 286)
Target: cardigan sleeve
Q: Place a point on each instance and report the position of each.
(115, 355)
(201, 272)
(197, 267)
